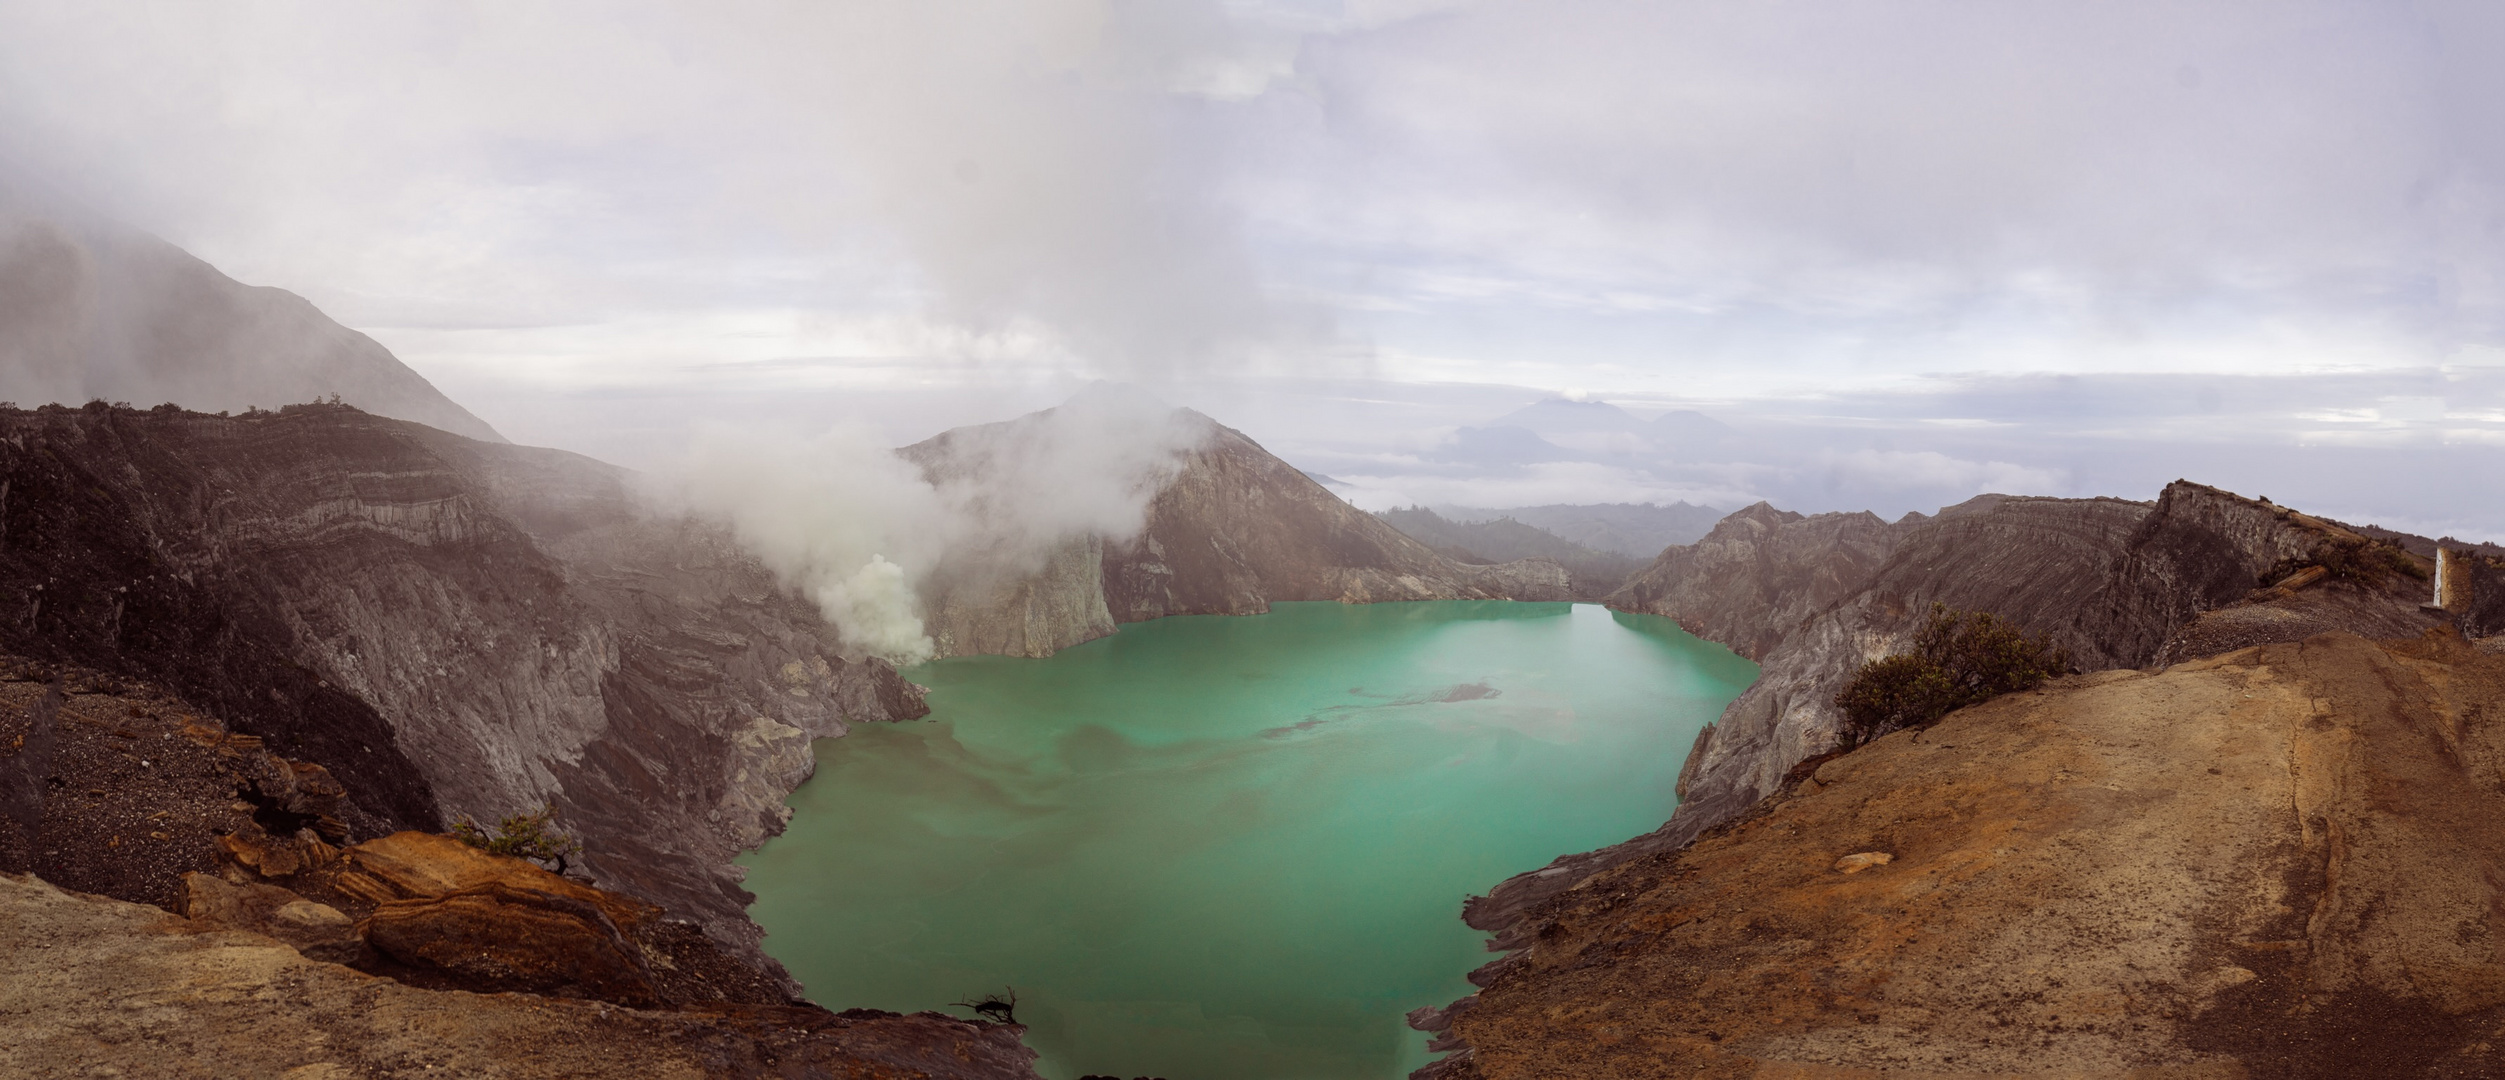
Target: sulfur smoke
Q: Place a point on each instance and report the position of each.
(862, 529)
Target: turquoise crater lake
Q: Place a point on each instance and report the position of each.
(1214, 847)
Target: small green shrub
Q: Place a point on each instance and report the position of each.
(1960, 658)
(523, 836)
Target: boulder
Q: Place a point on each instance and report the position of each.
(505, 937)
(252, 847)
(493, 922)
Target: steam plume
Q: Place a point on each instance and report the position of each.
(862, 529)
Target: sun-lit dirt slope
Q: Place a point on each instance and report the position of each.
(2285, 861)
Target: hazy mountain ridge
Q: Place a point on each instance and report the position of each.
(1230, 531)
(1591, 574)
(1636, 530)
(94, 310)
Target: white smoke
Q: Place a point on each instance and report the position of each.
(861, 529)
(836, 515)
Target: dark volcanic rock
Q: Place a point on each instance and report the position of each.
(127, 788)
(1759, 574)
(447, 626)
(1238, 529)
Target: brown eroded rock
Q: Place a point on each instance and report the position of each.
(458, 916)
(440, 913)
(97, 987)
(2284, 862)
(499, 936)
(424, 866)
(319, 931)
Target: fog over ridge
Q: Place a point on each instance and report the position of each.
(1875, 240)
(862, 528)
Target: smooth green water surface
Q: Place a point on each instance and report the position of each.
(1219, 847)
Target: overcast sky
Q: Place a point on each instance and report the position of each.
(1910, 250)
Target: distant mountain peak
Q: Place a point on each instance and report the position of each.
(1559, 416)
(94, 309)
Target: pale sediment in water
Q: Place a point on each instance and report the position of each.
(1222, 847)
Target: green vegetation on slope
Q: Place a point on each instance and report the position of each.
(1960, 658)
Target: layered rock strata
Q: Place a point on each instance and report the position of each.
(448, 626)
(2279, 862)
(1229, 530)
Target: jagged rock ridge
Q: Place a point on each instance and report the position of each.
(1810, 598)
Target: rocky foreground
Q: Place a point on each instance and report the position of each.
(201, 911)
(2284, 861)
(91, 986)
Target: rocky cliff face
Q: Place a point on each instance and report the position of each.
(1812, 598)
(2282, 862)
(449, 626)
(90, 309)
(1229, 530)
